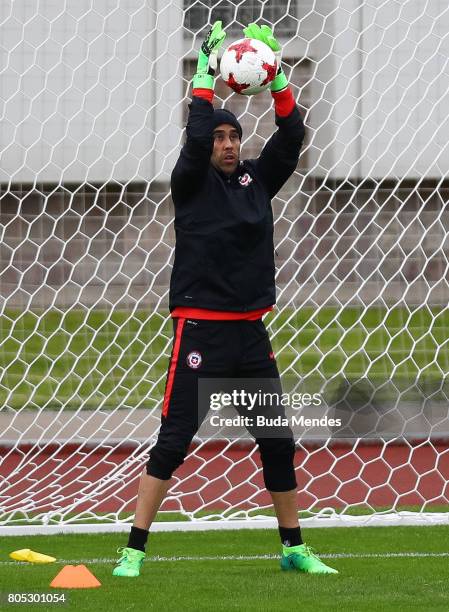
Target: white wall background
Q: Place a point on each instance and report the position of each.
(92, 91)
(89, 90)
(381, 88)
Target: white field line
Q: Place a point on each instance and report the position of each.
(157, 558)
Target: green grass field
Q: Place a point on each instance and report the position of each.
(391, 568)
(57, 359)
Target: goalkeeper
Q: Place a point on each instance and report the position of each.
(221, 286)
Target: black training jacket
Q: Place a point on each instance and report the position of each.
(224, 255)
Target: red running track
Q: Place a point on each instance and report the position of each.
(81, 479)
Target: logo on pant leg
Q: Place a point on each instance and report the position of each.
(194, 360)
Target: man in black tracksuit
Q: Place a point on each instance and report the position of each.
(223, 282)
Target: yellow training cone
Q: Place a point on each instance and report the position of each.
(31, 556)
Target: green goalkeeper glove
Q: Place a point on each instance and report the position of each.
(207, 57)
(265, 34)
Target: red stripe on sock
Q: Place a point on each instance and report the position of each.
(206, 94)
(173, 364)
(284, 102)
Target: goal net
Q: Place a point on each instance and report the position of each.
(93, 102)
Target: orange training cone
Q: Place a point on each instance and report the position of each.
(74, 577)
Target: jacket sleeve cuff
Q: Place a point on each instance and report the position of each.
(205, 94)
(284, 102)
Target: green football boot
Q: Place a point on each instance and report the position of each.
(303, 559)
(129, 563)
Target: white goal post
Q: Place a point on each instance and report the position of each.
(93, 105)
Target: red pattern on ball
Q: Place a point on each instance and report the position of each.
(241, 48)
(237, 87)
(271, 72)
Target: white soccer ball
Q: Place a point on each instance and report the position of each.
(248, 66)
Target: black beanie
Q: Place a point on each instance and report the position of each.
(221, 115)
